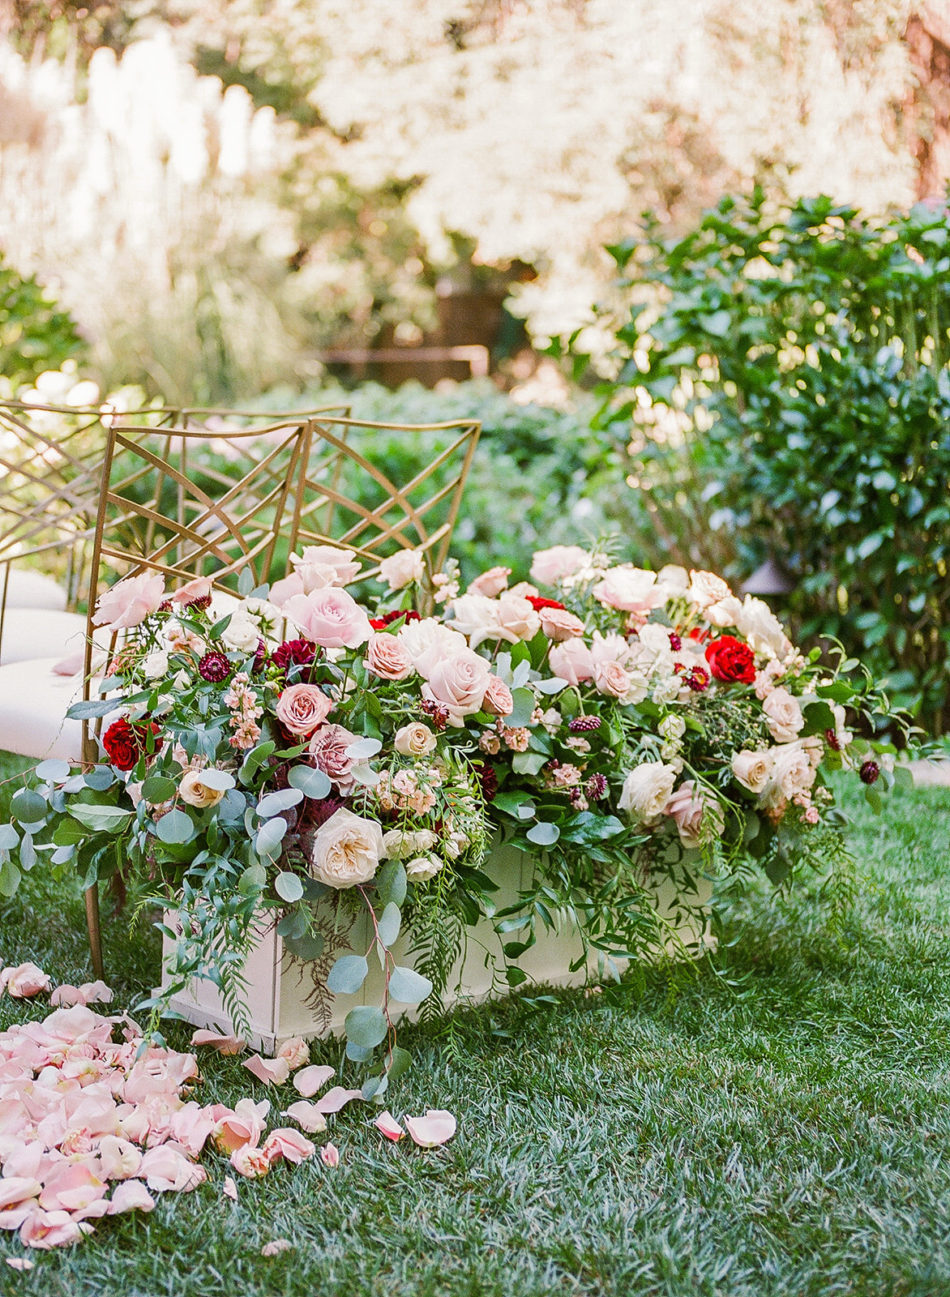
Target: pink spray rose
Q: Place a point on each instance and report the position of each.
(130, 601)
(559, 624)
(491, 583)
(301, 708)
(330, 617)
(498, 699)
(459, 683)
(630, 589)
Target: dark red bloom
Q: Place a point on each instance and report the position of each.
(869, 772)
(731, 661)
(299, 652)
(676, 642)
(319, 812)
(214, 667)
(698, 634)
(488, 779)
(200, 603)
(125, 742)
(438, 715)
(537, 602)
(596, 787)
(260, 658)
(831, 739)
(387, 619)
(698, 680)
(583, 724)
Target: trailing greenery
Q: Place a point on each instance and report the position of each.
(790, 368)
(772, 1130)
(35, 335)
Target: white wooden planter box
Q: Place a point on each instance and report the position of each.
(286, 997)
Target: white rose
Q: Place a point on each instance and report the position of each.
(705, 589)
(752, 769)
(476, 617)
(346, 850)
(321, 565)
(427, 641)
(402, 568)
(792, 773)
(155, 665)
(652, 650)
(672, 728)
(646, 790)
(724, 613)
(517, 619)
(421, 868)
(784, 715)
(760, 626)
(242, 633)
(630, 589)
(666, 691)
(414, 740)
(610, 648)
(674, 580)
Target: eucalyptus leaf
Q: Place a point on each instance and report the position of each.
(362, 749)
(28, 806)
(312, 783)
(269, 836)
(9, 878)
(157, 789)
(391, 883)
(9, 838)
(293, 924)
(544, 834)
(347, 975)
(220, 780)
(366, 1026)
(54, 770)
(101, 819)
(389, 923)
(523, 709)
(282, 800)
(408, 986)
(98, 779)
(288, 887)
(308, 947)
(174, 827)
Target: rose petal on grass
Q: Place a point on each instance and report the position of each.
(276, 1246)
(387, 1125)
(131, 1195)
(289, 1144)
(336, 1099)
(330, 1155)
(229, 1188)
(311, 1079)
(272, 1071)
(296, 1051)
(307, 1116)
(435, 1128)
(19, 1262)
(223, 1044)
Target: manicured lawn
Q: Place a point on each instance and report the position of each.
(778, 1126)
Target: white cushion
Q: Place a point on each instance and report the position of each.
(28, 589)
(30, 633)
(33, 705)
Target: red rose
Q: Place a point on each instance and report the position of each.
(125, 743)
(537, 602)
(731, 660)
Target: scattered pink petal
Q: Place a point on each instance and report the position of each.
(118, 1158)
(337, 1098)
(65, 995)
(97, 993)
(289, 1144)
(435, 1128)
(308, 1116)
(244, 1125)
(272, 1071)
(223, 1044)
(23, 981)
(276, 1246)
(296, 1051)
(250, 1162)
(311, 1079)
(20, 1262)
(387, 1125)
(130, 1196)
(46, 1229)
(164, 1168)
(17, 1189)
(229, 1188)
(330, 1155)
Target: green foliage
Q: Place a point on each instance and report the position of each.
(35, 335)
(792, 366)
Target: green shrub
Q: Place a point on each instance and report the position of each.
(795, 362)
(35, 334)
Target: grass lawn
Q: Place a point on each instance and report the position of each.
(779, 1126)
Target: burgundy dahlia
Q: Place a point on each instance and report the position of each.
(214, 667)
(260, 658)
(584, 724)
(676, 642)
(488, 779)
(831, 739)
(387, 619)
(869, 772)
(293, 652)
(698, 680)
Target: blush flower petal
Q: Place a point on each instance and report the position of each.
(223, 1044)
(435, 1128)
(387, 1125)
(311, 1079)
(272, 1071)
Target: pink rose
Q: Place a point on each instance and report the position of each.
(386, 658)
(611, 679)
(289, 1144)
(199, 588)
(559, 624)
(572, 661)
(697, 816)
(328, 751)
(330, 617)
(301, 708)
(459, 683)
(402, 568)
(130, 601)
(498, 699)
(296, 1051)
(24, 981)
(551, 565)
(516, 617)
(491, 583)
(243, 1125)
(630, 589)
(250, 1162)
(427, 642)
(319, 566)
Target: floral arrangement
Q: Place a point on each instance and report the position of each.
(273, 753)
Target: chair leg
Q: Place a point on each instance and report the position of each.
(95, 931)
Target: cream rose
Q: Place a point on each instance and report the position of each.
(242, 632)
(784, 715)
(422, 868)
(705, 589)
(476, 617)
(401, 569)
(611, 679)
(195, 792)
(572, 661)
(759, 624)
(630, 589)
(459, 683)
(491, 583)
(302, 708)
(792, 771)
(346, 850)
(752, 770)
(321, 565)
(387, 658)
(427, 642)
(646, 790)
(414, 740)
(516, 617)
